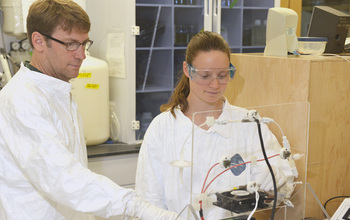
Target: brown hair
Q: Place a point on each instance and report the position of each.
(45, 15)
(203, 41)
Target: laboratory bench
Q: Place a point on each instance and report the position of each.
(113, 149)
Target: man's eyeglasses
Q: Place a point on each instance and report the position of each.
(205, 77)
(72, 46)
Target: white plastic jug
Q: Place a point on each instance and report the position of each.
(91, 91)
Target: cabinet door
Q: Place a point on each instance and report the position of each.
(113, 33)
(154, 59)
(119, 168)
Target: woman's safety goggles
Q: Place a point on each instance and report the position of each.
(205, 77)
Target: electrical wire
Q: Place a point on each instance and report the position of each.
(256, 204)
(336, 55)
(222, 173)
(237, 165)
(336, 197)
(270, 168)
(208, 175)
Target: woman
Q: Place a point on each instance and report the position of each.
(163, 177)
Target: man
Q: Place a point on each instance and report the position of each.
(43, 160)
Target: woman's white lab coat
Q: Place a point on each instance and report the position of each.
(162, 185)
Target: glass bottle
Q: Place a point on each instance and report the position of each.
(180, 35)
(190, 2)
(178, 2)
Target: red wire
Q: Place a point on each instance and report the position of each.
(201, 210)
(229, 169)
(208, 175)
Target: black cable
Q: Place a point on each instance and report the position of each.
(336, 197)
(23, 40)
(270, 169)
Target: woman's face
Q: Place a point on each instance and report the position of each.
(207, 92)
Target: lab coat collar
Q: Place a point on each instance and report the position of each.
(227, 111)
(225, 115)
(52, 84)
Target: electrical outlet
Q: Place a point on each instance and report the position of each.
(135, 125)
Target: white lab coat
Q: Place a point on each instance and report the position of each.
(160, 183)
(43, 159)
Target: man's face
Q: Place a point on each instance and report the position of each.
(62, 63)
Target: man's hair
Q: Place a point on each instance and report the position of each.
(45, 16)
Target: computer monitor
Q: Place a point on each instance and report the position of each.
(331, 23)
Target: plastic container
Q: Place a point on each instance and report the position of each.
(91, 91)
(13, 18)
(312, 45)
(15, 15)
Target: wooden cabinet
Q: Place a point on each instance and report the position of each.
(324, 82)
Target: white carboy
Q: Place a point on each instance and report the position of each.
(91, 91)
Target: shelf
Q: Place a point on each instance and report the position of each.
(188, 6)
(257, 4)
(159, 61)
(152, 5)
(155, 88)
(180, 48)
(253, 49)
(154, 48)
(154, 2)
